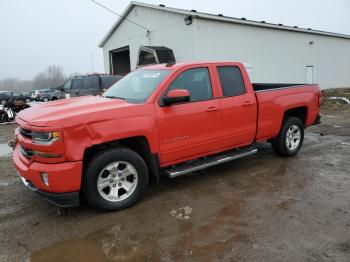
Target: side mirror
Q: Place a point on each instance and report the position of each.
(176, 96)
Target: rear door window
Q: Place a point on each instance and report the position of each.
(86, 83)
(95, 84)
(231, 80)
(108, 81)
(76, 84)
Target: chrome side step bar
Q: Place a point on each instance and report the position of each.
(199, 164)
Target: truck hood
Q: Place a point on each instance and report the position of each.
(48, 114)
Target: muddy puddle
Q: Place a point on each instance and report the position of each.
(5, 150)
(108, 245)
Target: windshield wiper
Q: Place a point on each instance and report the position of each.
(115, 97)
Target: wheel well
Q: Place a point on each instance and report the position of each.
(299, 112)
(139, 144)
(54, 98)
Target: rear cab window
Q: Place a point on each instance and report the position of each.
(231, 80)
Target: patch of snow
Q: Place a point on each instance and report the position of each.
(182, 213)
(346, 100)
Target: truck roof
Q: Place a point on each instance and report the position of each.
(178, 65)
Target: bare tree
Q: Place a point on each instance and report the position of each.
(9, 83)
(53, 76)
(72, 75)
(15, 84)
(39, 81)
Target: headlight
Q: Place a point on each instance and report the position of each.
(45, 138)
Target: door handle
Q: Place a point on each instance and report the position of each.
(248, 103)
(212, 109)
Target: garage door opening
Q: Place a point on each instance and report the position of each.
(120, 61)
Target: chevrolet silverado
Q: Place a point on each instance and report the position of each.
(168, 119)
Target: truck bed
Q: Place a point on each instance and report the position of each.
(268, 86)
(274, 99)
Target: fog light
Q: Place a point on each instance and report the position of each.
(45, 155)
(45, 178)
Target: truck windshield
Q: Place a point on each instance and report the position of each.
(137, 86)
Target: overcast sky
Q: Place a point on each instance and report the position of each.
(37, 33)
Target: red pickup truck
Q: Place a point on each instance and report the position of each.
(169, 119)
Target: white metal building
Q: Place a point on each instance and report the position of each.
(271, 52)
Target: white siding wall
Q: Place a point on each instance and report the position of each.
(275, 55)
(167, 29)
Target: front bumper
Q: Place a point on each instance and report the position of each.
(70, 199)
(64, 179)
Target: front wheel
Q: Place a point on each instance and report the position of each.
(115, 179)
(291, 137)
(46, 99)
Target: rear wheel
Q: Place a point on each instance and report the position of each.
(291, 137)
(115, 179)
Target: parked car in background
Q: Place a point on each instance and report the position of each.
(94, 84)
(34, 93)
(27, 93)
(3, 97)
(15, 96)
(10, 109)
(46, 95)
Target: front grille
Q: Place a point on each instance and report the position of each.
(25, 132)
(26, 152)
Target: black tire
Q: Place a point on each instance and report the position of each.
(45, 99)
(54, 98)
(102, 160)
(279, 144)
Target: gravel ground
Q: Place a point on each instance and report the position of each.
(261, 208)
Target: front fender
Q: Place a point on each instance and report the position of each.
(79, 137)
